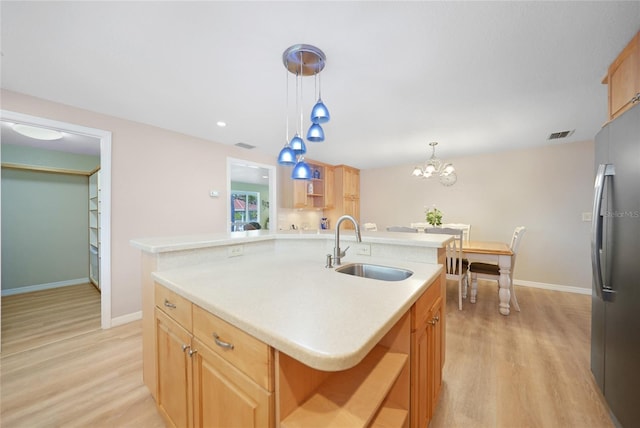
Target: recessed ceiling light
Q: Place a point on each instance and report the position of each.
(37, 132)
(221, 124)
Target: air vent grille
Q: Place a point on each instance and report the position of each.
(245, 146)
(561, 134)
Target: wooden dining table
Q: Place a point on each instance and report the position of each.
(492, 252)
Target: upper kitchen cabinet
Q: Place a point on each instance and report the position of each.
(623, 79)
(347, 194)
(314, 194)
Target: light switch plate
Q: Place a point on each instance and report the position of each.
(586, 216)
(363, 249)
(235, 250)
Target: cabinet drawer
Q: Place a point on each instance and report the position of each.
(248, 354)
(424, 303)
(174, 305)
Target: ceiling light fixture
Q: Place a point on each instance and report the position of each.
(37, 132)
(303, 60)
(435, 167)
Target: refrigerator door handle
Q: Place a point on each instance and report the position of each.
(603, 291)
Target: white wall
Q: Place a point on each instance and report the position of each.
(160, 186)
(545, 189)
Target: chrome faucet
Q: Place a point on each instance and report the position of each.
(337, 254)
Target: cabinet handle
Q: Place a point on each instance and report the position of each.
(185, 347)
(192, 351)
(221, 343)
(168, 304)
(434, 320)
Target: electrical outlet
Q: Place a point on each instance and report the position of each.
(363, 249)
(235, 250)
(586, 216)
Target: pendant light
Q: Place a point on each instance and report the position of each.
(303, 60)
(301, 171)
(287, 156)
(320, 112)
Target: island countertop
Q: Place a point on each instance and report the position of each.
(158, 245)
(291, 301)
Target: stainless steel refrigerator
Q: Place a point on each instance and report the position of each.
(615, 260)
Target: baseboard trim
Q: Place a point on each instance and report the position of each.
(47, 286)
(125, 319)
(554, 287)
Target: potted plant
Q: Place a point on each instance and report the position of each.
(434, 217)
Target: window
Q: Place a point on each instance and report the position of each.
(245, 208)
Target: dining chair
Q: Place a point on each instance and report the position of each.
(492, 271)
(420, 226)
(456, 266)
(401, 229)
(466, 228)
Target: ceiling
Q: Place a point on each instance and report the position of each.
(478, 77)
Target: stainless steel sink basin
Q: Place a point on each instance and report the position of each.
(383, 273)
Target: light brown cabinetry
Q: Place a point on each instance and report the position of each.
(427, 356)
(373, 393)
(209, 373)
(316, 193)
(347, 194)
(623, 79)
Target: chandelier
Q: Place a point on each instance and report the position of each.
(435, 167)
(303, 60)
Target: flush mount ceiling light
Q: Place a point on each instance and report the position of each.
(435, 167)
(37, 132)
(303, 60)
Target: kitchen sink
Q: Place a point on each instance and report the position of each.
(383, 273)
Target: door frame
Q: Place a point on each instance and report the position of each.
(105, 193)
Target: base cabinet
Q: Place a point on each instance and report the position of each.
(223, 396)
(200, 387)
(173, 396)
(427, 355)
(211, 374)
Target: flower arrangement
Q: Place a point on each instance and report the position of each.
(434, 217)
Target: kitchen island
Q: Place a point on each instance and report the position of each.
(287, 332)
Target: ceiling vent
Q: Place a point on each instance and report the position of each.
(562, 134)
(245, 146)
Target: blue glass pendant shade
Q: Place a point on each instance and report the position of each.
(320, 113)
(287, 156)
(301, 171)
(315, 134)
(298, 146)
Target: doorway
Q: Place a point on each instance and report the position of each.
(104, 138)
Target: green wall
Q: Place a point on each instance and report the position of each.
(44, 220)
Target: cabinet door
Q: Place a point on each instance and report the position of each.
(420, 402)
(624, 79)
(299, 193)
(329, 187)
(351, 182)
(174, 371)
(435, 333)
(224, 396)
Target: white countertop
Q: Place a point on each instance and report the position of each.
(189, 242)
(289, 300)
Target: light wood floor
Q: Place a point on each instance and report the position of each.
(31, 320)
(530, 369)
